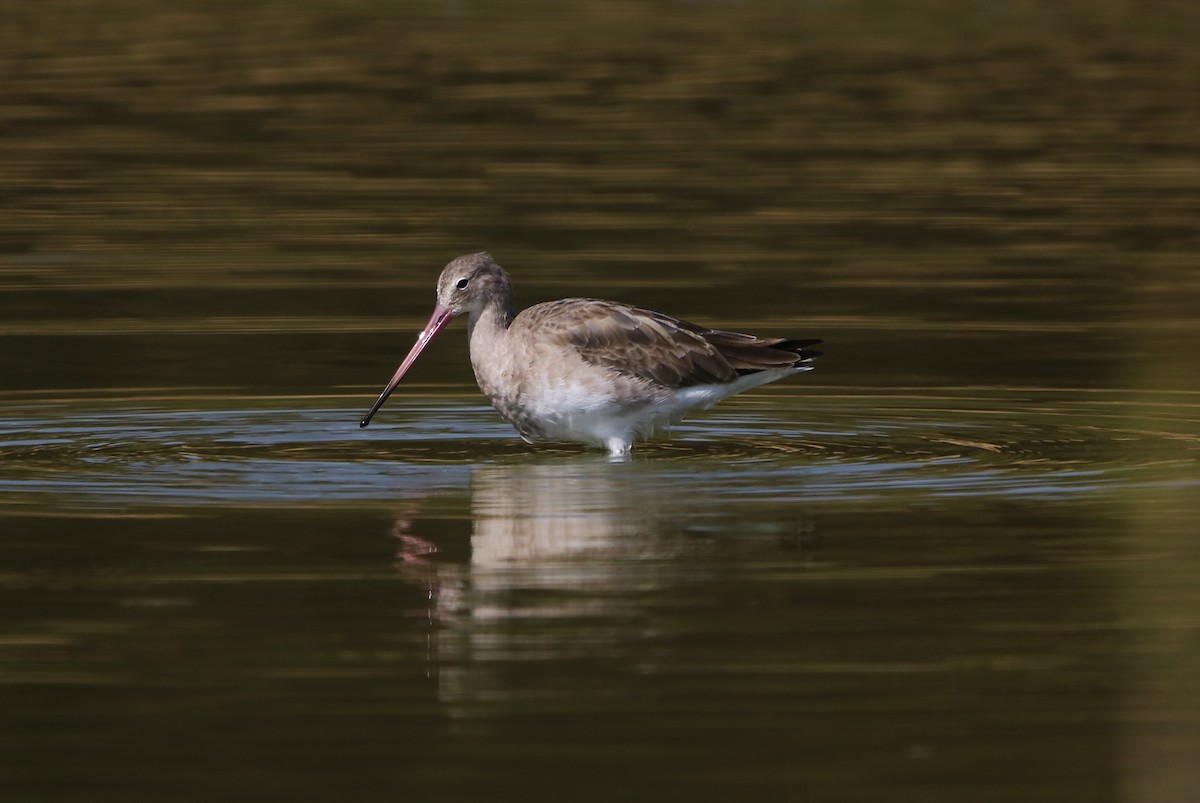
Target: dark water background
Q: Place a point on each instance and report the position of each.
(957, 562)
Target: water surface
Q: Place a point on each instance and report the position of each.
(956, 562)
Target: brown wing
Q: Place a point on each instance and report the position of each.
(657, 347)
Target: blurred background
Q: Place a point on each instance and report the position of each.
(233, 194)
(957, 561)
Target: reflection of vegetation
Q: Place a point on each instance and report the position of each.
(187, 134)
(994, 170)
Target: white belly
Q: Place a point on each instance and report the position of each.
(582, 413)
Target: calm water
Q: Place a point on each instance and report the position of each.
(957, 562)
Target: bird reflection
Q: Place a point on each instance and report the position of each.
(558, 551)
(542, 514)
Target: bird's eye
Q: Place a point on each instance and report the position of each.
(461, 284)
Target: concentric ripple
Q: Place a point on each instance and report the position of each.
(1033, 443)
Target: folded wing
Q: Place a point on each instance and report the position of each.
(659, 348)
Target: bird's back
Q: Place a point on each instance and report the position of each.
(670, 352)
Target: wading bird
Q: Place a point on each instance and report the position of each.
(590, 371)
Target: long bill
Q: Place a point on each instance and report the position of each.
(437, 322)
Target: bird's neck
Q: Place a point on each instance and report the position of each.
(491, 358)
(490, 323)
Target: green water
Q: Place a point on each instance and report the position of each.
(956, 562)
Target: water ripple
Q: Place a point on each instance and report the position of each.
(121, 455)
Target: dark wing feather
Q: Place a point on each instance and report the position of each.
(748, 353)
(656, 347)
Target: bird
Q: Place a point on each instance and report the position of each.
(586, 370)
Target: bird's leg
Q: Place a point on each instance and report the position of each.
(618, 447)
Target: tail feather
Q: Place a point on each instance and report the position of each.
(748, 354)
(801, 349)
